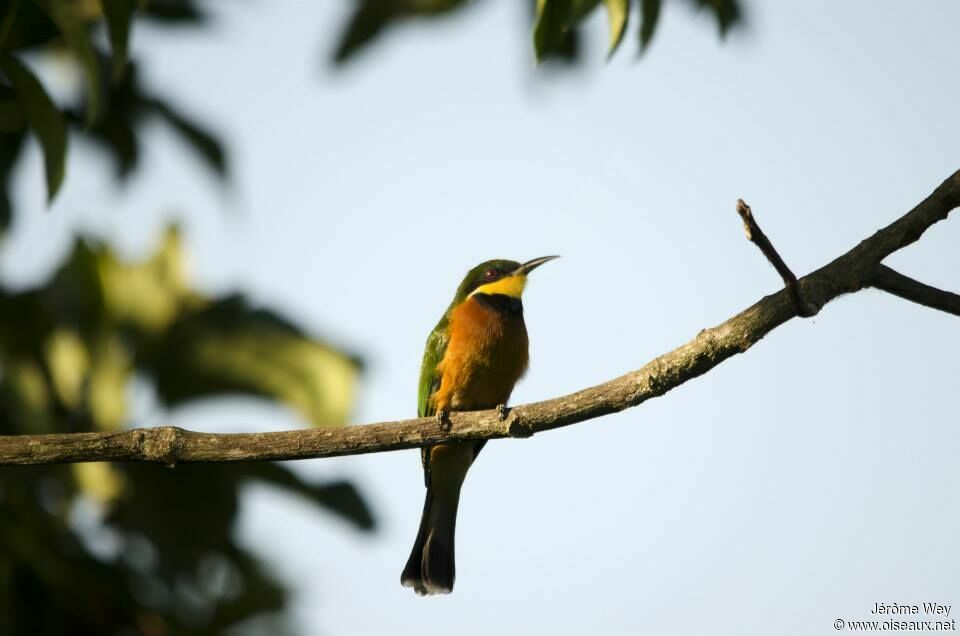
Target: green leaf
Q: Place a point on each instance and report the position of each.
(174, 12)
(726, 12)
(555, 28)
(24, 25)
(206, 145)
(339, 497)
(66, 14)
(230, 348)
(119, 15)
(11, 141)
(44, 118)
(553, 20)
(649, 17)
(618, 11)
(8, 17)
(68, 361)
(372, 17)
(148, 296)
(106, 385)
(364, 26)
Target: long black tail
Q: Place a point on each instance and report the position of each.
(430, 568)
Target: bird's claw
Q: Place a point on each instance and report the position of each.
(443, 418)
(502, 412)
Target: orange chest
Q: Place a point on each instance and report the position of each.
(486, 354)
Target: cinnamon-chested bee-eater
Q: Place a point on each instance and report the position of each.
(474, 356)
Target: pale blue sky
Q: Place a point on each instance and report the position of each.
(799, 483)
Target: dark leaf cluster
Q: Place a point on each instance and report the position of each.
(556, 23)
(109, 549)
(114, 104)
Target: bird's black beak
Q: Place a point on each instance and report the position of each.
(529, 266)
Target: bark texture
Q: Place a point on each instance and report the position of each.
(856, 269)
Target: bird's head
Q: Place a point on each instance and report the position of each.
(498, 277)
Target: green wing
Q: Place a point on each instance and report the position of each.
(430, 382)
(429, 377)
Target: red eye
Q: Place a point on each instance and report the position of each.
(491, 274)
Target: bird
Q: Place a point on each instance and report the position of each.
(473, 358)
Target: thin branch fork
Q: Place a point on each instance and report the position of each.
(883, 277)
(855, 270)
(895, 283)
(756, 236)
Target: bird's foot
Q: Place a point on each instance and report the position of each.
(502, 412)
(443, 418)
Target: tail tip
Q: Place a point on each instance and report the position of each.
(425, 588)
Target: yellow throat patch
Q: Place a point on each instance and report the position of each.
(508, 286)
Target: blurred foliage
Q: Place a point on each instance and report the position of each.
(104, 549)
(128, 107)
(115, 105)
(556, 23)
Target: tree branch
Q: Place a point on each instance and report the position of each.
(756, 236)
(856, 269)
(895, 283)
